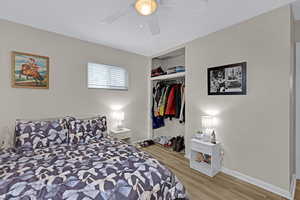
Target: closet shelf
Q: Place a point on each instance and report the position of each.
(168, 76)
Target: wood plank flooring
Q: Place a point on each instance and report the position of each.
(202, 187)
(297, 194)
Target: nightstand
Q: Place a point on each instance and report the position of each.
(205, 157)
(122, 134)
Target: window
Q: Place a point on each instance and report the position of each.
(107, 77)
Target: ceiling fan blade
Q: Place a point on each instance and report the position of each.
(204, 1)
(114, 17)
(161, 2)
(154, 25)
(164, 3)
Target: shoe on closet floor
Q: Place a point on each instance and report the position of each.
(180, 144)
(175, 143)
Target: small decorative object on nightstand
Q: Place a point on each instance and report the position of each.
(213, 138)
(205, 157)
(121, 134)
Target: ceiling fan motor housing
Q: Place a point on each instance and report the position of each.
(146, 7)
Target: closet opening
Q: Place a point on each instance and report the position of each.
(168, 100)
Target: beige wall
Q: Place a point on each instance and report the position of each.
(68, 93)
(298, 110)
(254, 129)
(297, 31)
(292, 98)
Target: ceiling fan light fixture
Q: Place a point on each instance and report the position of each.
(146, 7)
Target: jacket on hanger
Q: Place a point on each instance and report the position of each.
(157, 122)
(170, 110)
(162, 102)
(177, 100)
(182, 109)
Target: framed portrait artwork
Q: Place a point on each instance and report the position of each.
(30, 71)
(228, 79)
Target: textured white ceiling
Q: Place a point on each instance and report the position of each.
(184, 21)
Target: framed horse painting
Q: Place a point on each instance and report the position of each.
(30, 71)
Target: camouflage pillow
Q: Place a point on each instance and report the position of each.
(82, 130)
(38, 134)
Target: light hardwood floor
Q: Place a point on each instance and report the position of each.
(297, 194)
(202, 187)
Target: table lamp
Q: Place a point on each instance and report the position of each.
(119, 117)
(208, 126)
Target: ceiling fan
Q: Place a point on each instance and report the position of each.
(143, 8)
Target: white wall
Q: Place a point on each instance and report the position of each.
(254, 129)
(68, 93)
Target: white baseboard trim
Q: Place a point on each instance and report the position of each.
(187, 156)
(267, 186)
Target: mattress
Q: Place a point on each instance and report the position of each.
(101, 169)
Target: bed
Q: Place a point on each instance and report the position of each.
(99, 168)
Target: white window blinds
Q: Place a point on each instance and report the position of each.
(107, 77)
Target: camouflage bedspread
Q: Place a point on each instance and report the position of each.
(103, 169)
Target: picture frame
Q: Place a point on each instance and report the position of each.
(228, 79)
(29, 71)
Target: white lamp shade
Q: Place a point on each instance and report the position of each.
(118, 115)
(207, 122)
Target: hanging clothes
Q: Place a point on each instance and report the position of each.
(157, 93)
(162, 102)
(157, 121)
(177, 101)
(166, 98)
(182, 110)
(168, 102)
(170, 110)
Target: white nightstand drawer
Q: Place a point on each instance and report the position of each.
(201, 148)
(122, 136)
